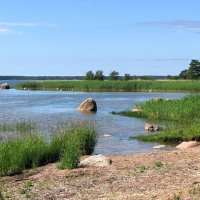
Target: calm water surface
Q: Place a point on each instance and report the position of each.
(50, 108)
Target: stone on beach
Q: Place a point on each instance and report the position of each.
(136, 110)
(159, 147)
(186, 145)
(95, 161)
(89, 105)
(151, 127)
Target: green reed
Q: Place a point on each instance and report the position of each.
(113, 86)
(33, 150)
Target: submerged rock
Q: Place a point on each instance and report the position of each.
(4, 86)
(95, 161)
(89, 105)
(159, 147)
(186, 145)
(151, 127)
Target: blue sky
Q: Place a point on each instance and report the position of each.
(70, 37)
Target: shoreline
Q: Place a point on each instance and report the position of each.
(160, 175)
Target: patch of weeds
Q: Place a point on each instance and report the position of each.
(194, 191)
(176, 197)
(26, 188)
(143, 168)
(132, 173)
(1, 196)
(5, 193)
(158, 164)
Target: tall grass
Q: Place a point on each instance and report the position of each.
(185, 111)
(33, 150)
(23, 127)
(187, 132)
(113, 86)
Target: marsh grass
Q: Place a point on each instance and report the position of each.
(24, 126)
(113, 86)
(184, 111)
(33, 150)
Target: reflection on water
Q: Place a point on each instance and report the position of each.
(49, 108)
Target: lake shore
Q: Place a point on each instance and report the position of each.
(161, 175)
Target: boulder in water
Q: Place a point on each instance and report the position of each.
(4, 86)
(89, 105)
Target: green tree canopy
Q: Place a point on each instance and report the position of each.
(89, 76)
(194, 70)
(99, 75)
(127, 77)
(114, 75)
(184, 74)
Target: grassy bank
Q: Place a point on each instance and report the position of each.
(185, 111)
(113, 86)
(32, 150)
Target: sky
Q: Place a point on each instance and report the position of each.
(71, 37)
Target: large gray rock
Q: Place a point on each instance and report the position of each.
(95, 161)
(4, 86)
(186, 145)
(89, 105)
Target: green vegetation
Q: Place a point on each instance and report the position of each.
(185, 111)
(21, 127)
(114, 86)
(114, 76)
(26, 188)
(32, 150)
(97, 76)
(193, 72)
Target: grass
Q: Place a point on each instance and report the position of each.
(184, 111)
(22, 127)
(113, 86)
(32, 150)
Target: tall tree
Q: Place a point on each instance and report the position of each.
(127, 77)
(184, 74)
(99, 75)
(114, 75)
(194, 70)
(89, 76)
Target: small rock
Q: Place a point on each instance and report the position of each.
(89, 105)
(107, 135)
(159, 147)
(136, 110)
(186, 145)
(4, 86)
(151, 127)
(95, 161)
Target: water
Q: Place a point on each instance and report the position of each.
(50, 108)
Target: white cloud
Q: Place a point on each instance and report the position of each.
(26, 24)
(8, 28)
(190, 25)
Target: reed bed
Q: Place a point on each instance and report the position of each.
(184, 111)
(33, 150)
(113, 86)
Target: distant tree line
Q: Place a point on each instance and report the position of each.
(114, 76)
(193, 71)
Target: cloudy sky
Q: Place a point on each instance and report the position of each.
(70, 37)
